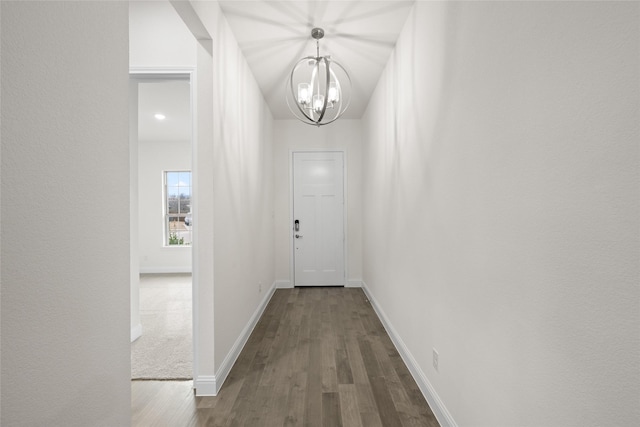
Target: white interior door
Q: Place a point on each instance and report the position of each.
(318, 212)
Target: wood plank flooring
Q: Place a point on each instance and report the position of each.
(317, 357)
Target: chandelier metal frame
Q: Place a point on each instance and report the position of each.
(311, 97)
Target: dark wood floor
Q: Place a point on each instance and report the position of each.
(317, 357)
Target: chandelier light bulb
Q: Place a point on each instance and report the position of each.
(304, 93)
(333, 93)
(318, 103)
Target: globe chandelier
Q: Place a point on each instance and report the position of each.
(318, 88)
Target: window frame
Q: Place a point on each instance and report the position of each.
(165, 208)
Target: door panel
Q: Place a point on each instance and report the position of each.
(318, 205)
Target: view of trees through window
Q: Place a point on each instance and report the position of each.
(178, 220)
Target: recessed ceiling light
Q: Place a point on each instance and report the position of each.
(160, 116)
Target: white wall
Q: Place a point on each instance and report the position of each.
(233, 246)
(293, 135)
(155, 157)
(501, 208)
(241, 190)
(65, 168)
(158, 37)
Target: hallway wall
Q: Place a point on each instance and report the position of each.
(239, 192)
(501, 209)
(291, 135)
(65, 181)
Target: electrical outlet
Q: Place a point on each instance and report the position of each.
(435, 359)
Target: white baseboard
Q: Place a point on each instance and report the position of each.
(232, 356)
(163, 270)
(437, 406)
(353, 283)
(136, 332)
(205, 385)
(283, 284)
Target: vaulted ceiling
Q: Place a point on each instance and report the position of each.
(274, 35)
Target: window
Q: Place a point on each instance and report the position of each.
(177, 208)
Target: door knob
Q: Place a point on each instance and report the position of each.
(298, 236)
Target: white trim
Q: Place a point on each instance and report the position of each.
(205, 385)
(291, 219)
(232, 356)
(345, 213)
(187, 69)
(195, 192)
(136, 332)
(354, 283)
(283, 284)
(435, 403)
(164, 270)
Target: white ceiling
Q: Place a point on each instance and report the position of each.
(274, 35)
(171, 98)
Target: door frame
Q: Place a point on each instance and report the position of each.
(344, 214)
(190, 73)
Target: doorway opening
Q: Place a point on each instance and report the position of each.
(162, 224)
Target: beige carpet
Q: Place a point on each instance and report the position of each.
(165, 349)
